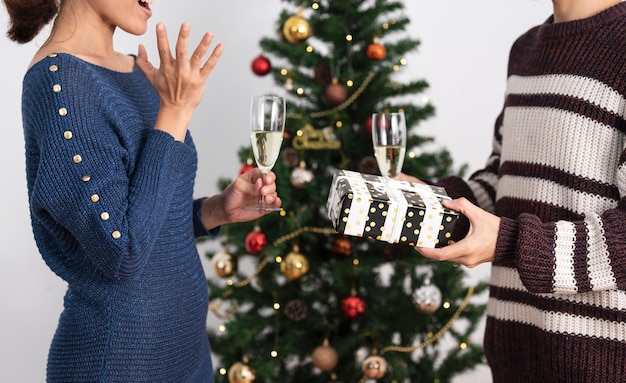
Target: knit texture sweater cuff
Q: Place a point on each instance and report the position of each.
(507, 242)
(199, 229)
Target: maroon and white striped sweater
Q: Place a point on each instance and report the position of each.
(557, 177)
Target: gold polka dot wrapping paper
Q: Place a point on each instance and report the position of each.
(365, 205)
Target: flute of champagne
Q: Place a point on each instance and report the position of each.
(267, 124)
(389, 141)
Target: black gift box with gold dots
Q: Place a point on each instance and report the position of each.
(365, 205)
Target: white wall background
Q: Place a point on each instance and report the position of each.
(463, 56)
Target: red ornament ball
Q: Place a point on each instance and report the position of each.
(353, 306)
(376, 51)
(368, 125)
(261, 65)
(255, 241)
(335, 93)
(245, 168)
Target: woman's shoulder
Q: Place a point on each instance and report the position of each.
(120, 64)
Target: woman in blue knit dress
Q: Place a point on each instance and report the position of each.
(110, 172)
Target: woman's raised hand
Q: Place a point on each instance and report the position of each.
(180, 79)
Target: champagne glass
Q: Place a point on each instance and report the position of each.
(389, 140)
(267, 124)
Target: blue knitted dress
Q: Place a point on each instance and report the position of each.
(113, 215)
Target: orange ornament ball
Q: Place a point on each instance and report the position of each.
(376, 51)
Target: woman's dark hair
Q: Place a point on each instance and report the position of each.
(28, 17)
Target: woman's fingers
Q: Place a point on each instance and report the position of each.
(208, 66)
(163, 45)
(182, 42)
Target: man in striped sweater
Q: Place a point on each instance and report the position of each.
(549, 209)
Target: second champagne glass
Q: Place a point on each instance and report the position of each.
(267, 124)
(389, 141)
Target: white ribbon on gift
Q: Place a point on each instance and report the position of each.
(398, 207)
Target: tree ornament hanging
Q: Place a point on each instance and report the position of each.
(376, 51)
(301, 176)
(261, 65)
(249, 165)
(427, 297)
(342, 246)
(374, 367)
(289, 85)
(255, 241)
(297, 29)
(395, 251)
(245, 168)
(322, 74)
(335, 93)
(368, 126)
(309, 138)
(223, 264)
(353, 306)
(325, 357)
(241, 373)
(368, 165)
(290, 157)
(296, 309)
(295, 265)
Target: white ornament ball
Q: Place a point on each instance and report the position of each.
(427, 298)
(300, 177)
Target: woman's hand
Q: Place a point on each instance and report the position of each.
(229, 206)
(179, 80)
(478, 246)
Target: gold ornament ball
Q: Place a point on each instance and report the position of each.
(374, 367)
(294, 265)
(241, 373)
(297, 29)
(223, 264)
(325, 358)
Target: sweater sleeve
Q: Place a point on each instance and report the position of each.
(480, 188)
(562, 256)
(83, 190)
(566, 257)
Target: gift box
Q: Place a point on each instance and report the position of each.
(365, 205)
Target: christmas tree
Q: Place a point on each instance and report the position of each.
(297, 301)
